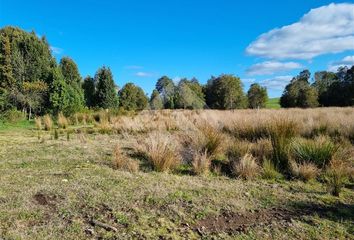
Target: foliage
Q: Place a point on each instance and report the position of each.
(106, 90)
(166, 88)
(318, 151)
(132, 98)
(190, 94)
(245, 167)
(89, 91)
(257, 96)
(155, 100)
(225, 92)
(201, 163)
(304, 170)
(299, 93)
(12, 116)
(269, 171)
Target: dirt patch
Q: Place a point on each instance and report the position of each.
(230, 222)
(46, 199)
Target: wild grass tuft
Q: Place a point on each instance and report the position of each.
(246, 167)
(121, 161)
(318, 151)
(48, 122)
(161, 151)
(201, 163)
(38, 123)
(281, 132)
(304, 171)
(62, 121)
(269, 171)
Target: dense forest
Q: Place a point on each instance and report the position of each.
(31, 81)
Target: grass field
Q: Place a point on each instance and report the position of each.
(273, 103)
(69, 187)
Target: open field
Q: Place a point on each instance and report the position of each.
(273, 103)
(75, 183)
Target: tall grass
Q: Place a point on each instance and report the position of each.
(281, 132)
(318, 151)
(269, 171)
(304, 170)
(201, 163)
(121, 161)
(62, 121)
(38, 123)
(161, 151)
(48, 122)
(246, 167)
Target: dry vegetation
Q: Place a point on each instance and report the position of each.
(99, 167)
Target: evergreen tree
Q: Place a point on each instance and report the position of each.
(190, 94)
(132, 98)
(7, 80)
(106, 90)
(89, 91)
(257, 96)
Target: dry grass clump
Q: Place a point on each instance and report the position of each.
(62, 121)
(38, 123)
(122, 161)
(161, 151)
(246, 167)
(208, 139)
(305, 170)
(339, 171)
(201, 163)
(48, 122)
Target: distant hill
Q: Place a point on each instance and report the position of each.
(273, 103)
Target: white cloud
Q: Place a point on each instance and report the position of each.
(328, 29)
(144, 74)
(271, 67)
(276, 83)
(347, 61)
(56, 50)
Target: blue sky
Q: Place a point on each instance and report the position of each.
(143, 40)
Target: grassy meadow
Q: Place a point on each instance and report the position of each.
(208, 174)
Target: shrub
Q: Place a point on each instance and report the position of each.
(161, 151)
(38, 123)
(121, 161)
(13, 116)
(269, 171)
(201, 163)
(281, 132)
(305, 170)
(62, 121)
(246, 167)
(318, 151)
(48, 123)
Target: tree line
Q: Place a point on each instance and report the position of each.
(32, 81)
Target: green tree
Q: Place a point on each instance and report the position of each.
(225, 92)
(73, 80)
(132, 98)
(89, 91)
(106, 90)
(190, 94)
(7, 80)
(166, 88)
(323, 82)
(257, 96)
(299, 93)
(155, 100)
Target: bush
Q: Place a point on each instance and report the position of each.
(48, 123)
(318, 151)
(269, 171)
(161, 151)
(62, 121)
(13, 116)
(305, 170)
(246, 167)
(201, 163)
